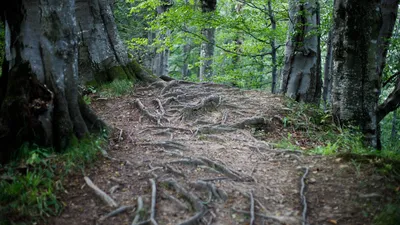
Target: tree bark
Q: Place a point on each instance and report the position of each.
(389, 9)
(327, 87)
(301, 77)
(207, 47)
(160, 60)
(40, 102)
(274, 48)
(102, 54)
(355, 81)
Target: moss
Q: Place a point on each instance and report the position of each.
(117, 72)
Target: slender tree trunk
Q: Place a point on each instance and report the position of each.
(274, 49)
(327, 87)
(160, 60)
(301, 78)
(355, 81)
(389, 10)
(393, 134)
(207, 47)
(186, 54)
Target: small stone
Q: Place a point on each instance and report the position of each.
(312, 181)
(343, 166)
(338, 160)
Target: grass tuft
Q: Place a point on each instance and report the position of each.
(30, 184)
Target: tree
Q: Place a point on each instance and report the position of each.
(356, 84)
(301, 75)
(48, 46)
(207, 47)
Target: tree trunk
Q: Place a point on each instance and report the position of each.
(41, 103)
(207, 47)
(102, 54)
(160, 60)
(355, 82)
(327, 87)
(301, 78)
(274, 49)
(389, 10)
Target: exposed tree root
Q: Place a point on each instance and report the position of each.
(142, 108)
(177, 201)
(215, 129)
(139, 211)
(116, 212)
(227, 172)
(250, 122)
(216, 192)
(303, 197)
(174, 171)
(153, 202)
(173, 94)
(209, 103)
(252, 216)
(281, 219)
(167, 145)
(101, 194)
(194, 200)
(169, 86)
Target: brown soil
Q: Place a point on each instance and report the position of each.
(202, 137)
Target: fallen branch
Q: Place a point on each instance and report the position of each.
(303, 197)
(116, 212)
(139, 211)
(101, 194)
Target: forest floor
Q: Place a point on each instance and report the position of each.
(210, 151)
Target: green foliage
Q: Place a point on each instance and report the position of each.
(31, 183)
(390, 215)
(116, 88)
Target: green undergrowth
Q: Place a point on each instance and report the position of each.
(308, 128)
(116, 88)
(31, 184)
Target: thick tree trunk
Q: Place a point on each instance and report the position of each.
(301, 78)
(355, 81)
(186, 54)
(102, 54)
(207, 47)
(44, 58)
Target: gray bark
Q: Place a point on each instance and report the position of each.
(207, 47)
(46, 42)
(160, 60)
(301, 76)
(102, 54)
(355, 81)
(327, 87)
(274, 48)
(186, 54)
(389, 9)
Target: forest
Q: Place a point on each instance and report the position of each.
(200, 112)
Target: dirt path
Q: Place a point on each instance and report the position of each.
(196, 142)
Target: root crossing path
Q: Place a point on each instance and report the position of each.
(187, 153)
